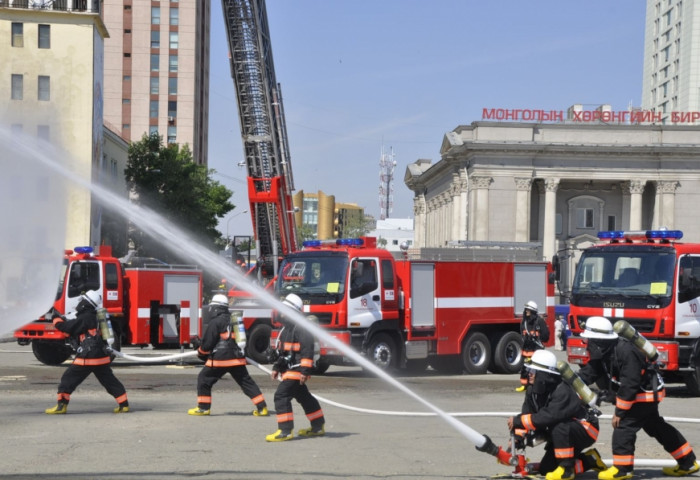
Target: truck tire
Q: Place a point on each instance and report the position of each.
(382, 351)
(476, 354)
(508, 353)
(258, 342)
(51, 353)
(321, 366)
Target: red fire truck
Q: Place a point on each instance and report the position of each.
(461, 312)
(650, 280)
(145, 304)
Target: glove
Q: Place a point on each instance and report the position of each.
(196, 343)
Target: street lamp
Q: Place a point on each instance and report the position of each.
(228, 237)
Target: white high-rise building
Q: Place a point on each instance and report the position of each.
(671, 81)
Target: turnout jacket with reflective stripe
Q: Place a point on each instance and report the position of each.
(627, 372)
(535, 333)
(296, 351)
(91, 351)
(219, 343)
(561, 405)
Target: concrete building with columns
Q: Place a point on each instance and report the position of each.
(558, 184)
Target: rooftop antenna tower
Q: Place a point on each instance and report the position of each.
(387, 164)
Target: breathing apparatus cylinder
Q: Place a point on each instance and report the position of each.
(238, 328)
(317, 346)
(105, 326)
(625, 330)
(581, 389)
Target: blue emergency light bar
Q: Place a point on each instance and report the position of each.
(83, 250)
(342, 242)
(641, 235)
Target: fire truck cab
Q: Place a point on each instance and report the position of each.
(650, 280)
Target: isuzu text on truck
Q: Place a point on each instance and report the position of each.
(458, 313)
(145, 304)
(652, 281)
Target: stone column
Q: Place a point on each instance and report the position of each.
(481, 184)
(455, 190)
(635, 189)
(419, 227)
(665, 205)
(464, 205)
(522, 209)
(550, 209)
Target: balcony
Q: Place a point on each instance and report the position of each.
(84, 6)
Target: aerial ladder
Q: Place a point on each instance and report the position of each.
(264, 133)
(267, 160)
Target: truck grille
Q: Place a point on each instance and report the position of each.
(642, 325)
(324, 318)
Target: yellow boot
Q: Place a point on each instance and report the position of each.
(679, 471)
(59, 409)
(279, 436)
(561, 473)
(262, 412)
(614, 473)
(521, 388)
(310, 432)
(198, 411)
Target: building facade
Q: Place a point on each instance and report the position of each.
(157, 71)
(671, 78)
(556, 184)
(51, 84)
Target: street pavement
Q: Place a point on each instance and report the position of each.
(373, 429)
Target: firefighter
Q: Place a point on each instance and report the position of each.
(553, 412)
(535, 334)
(222, 355)
(91, 356)
(295, 351)
(631, 382)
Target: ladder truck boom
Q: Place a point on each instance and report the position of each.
(263, 131)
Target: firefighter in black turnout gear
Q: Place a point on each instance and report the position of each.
(552, 411)
(295, 351)
(631, 382)
(223, 355)
(535, 334)
(92, 355)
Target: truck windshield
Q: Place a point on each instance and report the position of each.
(633, 274)
(318, 279)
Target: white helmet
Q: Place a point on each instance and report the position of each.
(531, 306)
(599, 327)
(545, 361)
(294, 301)
(94, 298)
(219, 299)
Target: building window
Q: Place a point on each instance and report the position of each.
(584, 218)
(153, 110)
(44, 88)
(126, 126)
(172, 134)
(155, 15)
(155, 61)
(154, 85)
(155, 38)
(17, 87)
(17, 34)
(44, 36)
(127, 55)
(126, 101)
(172, 63)
(172, 108)
(42, 131)
(558, 224)
(174, 16)
(153, 129)
(174, 40)
(611, 222)
(126, 78)
(172, 86)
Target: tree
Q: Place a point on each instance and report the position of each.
(165, 179)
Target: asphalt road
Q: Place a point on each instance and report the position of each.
(158, 440)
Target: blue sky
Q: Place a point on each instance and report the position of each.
(359, 74)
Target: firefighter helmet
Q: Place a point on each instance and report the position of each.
(219, 299)
(544, 361)
(531, 306)
(293, 300)
(93, 297)
(599, 327)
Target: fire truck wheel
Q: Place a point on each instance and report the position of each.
(508, 353)
(476, 354)
(382, 351)
(51, 353)
(258, 342)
